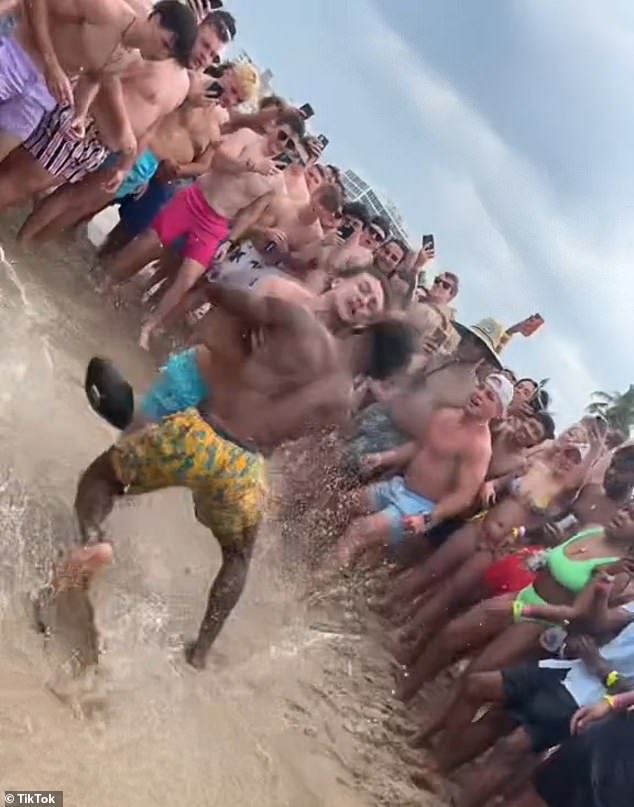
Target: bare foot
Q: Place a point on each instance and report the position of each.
(195, 657)
(83, 564)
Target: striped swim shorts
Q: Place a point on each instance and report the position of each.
(60, 152)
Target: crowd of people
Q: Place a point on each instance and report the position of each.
(485, 534)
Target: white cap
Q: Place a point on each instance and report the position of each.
(502, 387)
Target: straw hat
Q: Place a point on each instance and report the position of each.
(489, 332)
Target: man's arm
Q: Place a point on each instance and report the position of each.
(253, 308)
(252, 120)
(37, 13)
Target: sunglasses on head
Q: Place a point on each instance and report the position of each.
(444, 284)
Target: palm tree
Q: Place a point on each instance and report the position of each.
(616, 407)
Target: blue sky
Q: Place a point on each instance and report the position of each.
(505, 127)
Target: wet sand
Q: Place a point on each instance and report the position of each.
(287, 713)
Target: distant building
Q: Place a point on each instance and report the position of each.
(358, 190)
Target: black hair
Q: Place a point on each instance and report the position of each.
(271, 101)
(392, 344)
(356, 210)
(399, 243)
(547, 423)
(530, 381)
(382, 223)
(292, 119)
(541, 401)
(218, 70)
(223, 22)
(180, 21)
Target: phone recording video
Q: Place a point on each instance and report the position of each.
(215, 90)
(323, 140)
(428, 242)
(345, 231)
(306, 111)
(282, 160)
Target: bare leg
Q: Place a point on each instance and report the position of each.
(21, 178)
(479, 689)
(445, 560)
(364, 533)
(116, 239)
(142, 250)
(223, 596)
(65, 208)
(468, 632)
(96, 493)
(462, 588)
(8, 143)
(493, 776)
(187, 276)
(511, 645)
(527, 798)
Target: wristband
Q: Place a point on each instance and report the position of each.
(612, 678)
(519, 609)
(609, 699)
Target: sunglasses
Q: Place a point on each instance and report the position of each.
(286, 140)
(376, 234)
(444, 284)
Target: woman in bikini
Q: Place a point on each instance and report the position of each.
(510, 625)
(453, 576)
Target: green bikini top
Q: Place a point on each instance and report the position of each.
(575, 574)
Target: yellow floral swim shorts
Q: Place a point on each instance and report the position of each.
(227, 481)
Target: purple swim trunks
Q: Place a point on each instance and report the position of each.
(24, 96)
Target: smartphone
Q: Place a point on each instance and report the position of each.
(306, 111)
(283, 160)
(428, 242)
(215, 90)
(323, 140)
(345, 231)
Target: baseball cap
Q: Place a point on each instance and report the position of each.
(502, 387)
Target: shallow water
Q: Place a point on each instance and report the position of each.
(285, 714)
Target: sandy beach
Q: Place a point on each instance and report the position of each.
(290, 711)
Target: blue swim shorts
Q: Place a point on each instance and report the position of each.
(395, 500)
(178, 387)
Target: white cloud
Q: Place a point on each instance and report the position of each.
(515, 248)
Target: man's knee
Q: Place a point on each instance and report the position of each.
(515, 745)
(475, 683)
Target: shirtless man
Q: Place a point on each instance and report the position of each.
(282, 230)
(180, 150)
(242, 171)
(58, 39)
(260, 392)
(444, 381)
(445, 468)
(317, 257)
(183, 143)
(53, 153)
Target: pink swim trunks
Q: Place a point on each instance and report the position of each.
(188, 214)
